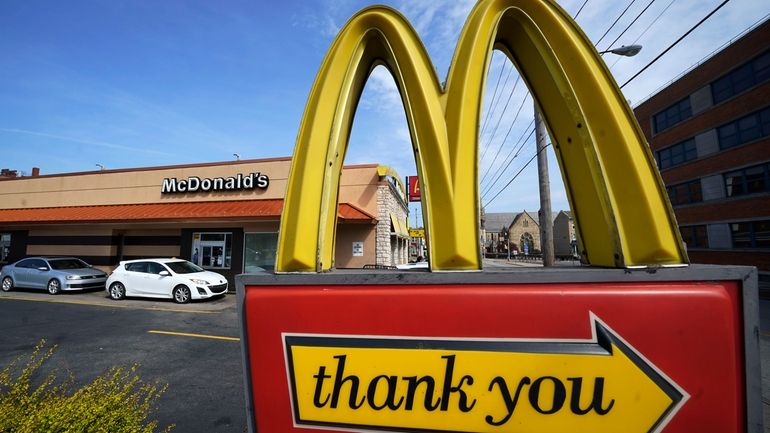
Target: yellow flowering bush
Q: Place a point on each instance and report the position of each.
(115, 402)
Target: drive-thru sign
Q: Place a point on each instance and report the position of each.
(644, 344)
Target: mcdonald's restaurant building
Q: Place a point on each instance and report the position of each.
(223, 216)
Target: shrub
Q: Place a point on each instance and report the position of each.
(115, 402)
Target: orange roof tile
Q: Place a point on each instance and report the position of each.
(257, 209)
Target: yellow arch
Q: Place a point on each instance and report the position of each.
(618, 201)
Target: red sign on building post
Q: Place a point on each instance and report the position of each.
(413, 185)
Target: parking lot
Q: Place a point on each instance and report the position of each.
(194, 348)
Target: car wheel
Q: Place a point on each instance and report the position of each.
(7, 284)
(117, 291)
(54, 287)
(181, 294)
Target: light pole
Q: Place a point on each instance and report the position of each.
(546, 223)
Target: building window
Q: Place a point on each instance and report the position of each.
(745, 129)
(672, 115)
(677, 154)
(695, 236)
(5, 246)
(748, 180)
(684, 193)
(212, 250)
(259, 251)
(746, 76)
(752, 234)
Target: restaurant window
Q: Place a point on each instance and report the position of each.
(259, 250)
(212, 250)
(5, 246)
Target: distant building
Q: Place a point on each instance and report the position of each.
(564, 238)
(495, 226)
(709, 132)
(525, 233)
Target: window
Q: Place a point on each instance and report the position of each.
(137, 267)
(752, 234)
(5, 246)
(695, 236)
(259, 251)
(742, 78)
(212, 250)
(748, 180)
(677, 154)
(673, 115)
(155, 268)
(683, 193)
(748, 128)
(27, 263)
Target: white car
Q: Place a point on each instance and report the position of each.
(413, 265)
(177, 279)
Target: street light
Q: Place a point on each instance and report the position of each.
(101, 167)
(625, 50)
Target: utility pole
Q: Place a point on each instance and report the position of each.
(544, 215)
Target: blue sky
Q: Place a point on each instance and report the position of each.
(143, 83)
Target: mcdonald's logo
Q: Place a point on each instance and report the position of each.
(620, 209)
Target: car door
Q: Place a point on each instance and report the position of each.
(136, 279)
(38, 274)
(20, 273)
(157, 284)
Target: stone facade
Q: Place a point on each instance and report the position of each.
(525, 229)
(391, 247)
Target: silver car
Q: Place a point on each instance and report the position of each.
(54, 274)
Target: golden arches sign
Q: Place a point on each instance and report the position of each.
(619, 205)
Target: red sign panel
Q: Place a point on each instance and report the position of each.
(354, 357)
(413, 185)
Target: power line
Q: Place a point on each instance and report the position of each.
(580, 10)
(505, 108)
(494, 96)
(502, 143)
(518, 173)
(649, 26)
(615, 22)
(676, 42)
(520, 145)
(631, 24)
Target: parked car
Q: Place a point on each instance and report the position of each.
(413, 265)
(177, 279)
(54, 274)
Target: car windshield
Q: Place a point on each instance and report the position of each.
(184, 267)
(61, 264)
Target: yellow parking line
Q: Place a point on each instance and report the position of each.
(113, 304)
(185, 334)
(765, 334)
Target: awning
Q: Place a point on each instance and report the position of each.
(160, 212)
(399, 227)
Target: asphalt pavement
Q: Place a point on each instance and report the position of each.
(194, 348)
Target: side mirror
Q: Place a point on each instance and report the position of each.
(42, 268)
(164, 273)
